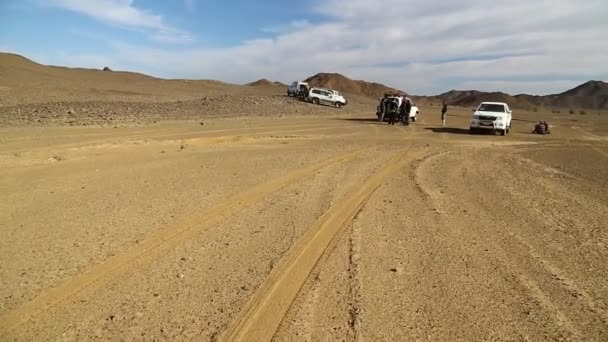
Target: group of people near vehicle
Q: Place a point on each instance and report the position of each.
(396, 109)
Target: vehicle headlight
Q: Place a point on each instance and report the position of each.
(475, 117)
(499, 119)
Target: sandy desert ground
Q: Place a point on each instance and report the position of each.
(322, 228)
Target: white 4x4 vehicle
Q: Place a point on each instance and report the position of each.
(491, 116)
(329, 96)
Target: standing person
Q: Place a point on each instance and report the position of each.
(304, 92)
(392, 108)
(444, 114)
(382, 109)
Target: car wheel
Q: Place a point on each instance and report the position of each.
(472, 130)
(315, 100)
(338, 105)
(414, 119)
(503, 132)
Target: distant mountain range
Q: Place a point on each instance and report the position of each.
(592, 95)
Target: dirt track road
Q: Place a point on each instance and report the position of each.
(315, 229)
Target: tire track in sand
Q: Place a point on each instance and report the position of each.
(531, 285)
(263, 313)
(184, 134)
(559, 275)
(232, 137)
(155, 244)
(598, 150)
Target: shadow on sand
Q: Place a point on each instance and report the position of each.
(449, 130)
(523, 120)
(360, 120)
(458, 116)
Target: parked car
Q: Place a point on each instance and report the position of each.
(327, 96)
(296, 88)
(491, 116)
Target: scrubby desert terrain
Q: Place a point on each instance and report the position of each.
(134, 208)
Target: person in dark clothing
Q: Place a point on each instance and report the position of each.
(392, 109)
(304, 91)
(444, 113)
(382, 109)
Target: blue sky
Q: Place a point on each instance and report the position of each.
(424, 47)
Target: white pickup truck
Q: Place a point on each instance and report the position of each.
(491, 116)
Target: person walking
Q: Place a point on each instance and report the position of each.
(444, 114)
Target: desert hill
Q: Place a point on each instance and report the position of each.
(592, 95)
(470, 98)
(455, 96)
(19, 66)
(25, 81)
(265, 83)
(349, 86)
(36, 94)
(591, 88)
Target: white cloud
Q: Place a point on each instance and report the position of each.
(123, 13)
(422, 47)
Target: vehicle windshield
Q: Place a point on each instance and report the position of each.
(490, 107)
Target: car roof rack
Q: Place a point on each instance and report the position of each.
(391, 94)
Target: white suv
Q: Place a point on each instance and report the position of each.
(491, 116)
(329, 96)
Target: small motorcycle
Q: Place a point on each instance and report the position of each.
(542, 128)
